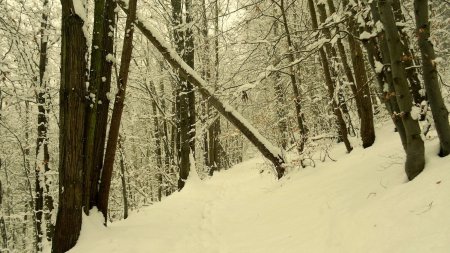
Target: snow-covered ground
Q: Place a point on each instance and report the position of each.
(361, 203)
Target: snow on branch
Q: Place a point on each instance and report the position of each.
(271, 152)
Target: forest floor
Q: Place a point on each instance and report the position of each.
(360, 203)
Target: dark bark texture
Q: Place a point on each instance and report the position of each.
(111, 145)
(415, 157)
(343, 134)
(430, 76)
(72, 114)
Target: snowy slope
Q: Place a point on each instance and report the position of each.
(360, 203)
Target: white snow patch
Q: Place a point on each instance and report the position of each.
(111, 58)
(415, 113)
(360, 203)
(378, 67)
(365, 35)
(110, 96)
(78, 6)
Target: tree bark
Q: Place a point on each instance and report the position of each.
(97, 109)
(430, 76)
(72, 114)
(157, 137)
(385, 77)
(415, 158)
(362, 86)
(329, 82)
(185, 95)
(214, 158)
(2, 220)
(41, 166)
(409, 58)
(122, 177)
(116, 117)
(297, 101)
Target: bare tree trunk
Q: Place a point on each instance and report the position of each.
(214, 130)
(41, 166)
(380, 52)
(329, 82)
(272, 153)
(97, 109)
(409, 56)
(415, 159)
(362, 85)
(157, 137)
(185, 95)
(430, 76)
(298, 108)
(280, 97)
(2, 220)
(122, 177)
(190, 60)
(72, 114)
(116, 117)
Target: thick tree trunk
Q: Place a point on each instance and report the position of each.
(329, 82)
(385, 75)
(92, 105)
(272, 153)
(415, 158)
(97, 109)
(430, 76)
(72, 114)
(111, 146)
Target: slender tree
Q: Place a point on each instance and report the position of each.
(415, 157)
(362, 85)
(113, 136)
(329, 82)
(297, 99)
(42, 197)
(430, 76)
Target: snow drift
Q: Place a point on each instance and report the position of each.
(361, 203)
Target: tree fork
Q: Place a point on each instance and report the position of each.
(415, 158)
(111, 146)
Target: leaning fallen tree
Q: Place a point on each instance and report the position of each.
(274, 154)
